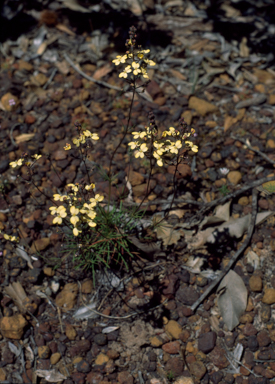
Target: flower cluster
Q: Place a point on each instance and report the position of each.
(10, 238)
(162, 146)
(136, 60)
(80, 211)
(25, 161)
(82, 137)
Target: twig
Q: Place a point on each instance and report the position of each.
(237, 254)
(143, 95)
(11, 132)
(50, 78)
(89, 77)
(230, 357)
(60, 320)
(247, 143)
(117, 317)
(234, 194)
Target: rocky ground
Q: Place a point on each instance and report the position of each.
(146, 325)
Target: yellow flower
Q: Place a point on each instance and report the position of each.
(58, 197)
(53, 210)
(192, 131)
(11, 238)
(136, 70)
(93, 136)
(73, 186)
(193, 148)
(139, 135)
(60, 212)
(79, 141)
(74, 210)
(140, 153)
(76, 231)
(88, 187)
(96, 199)
(150, 62)
(120, 59)
(74, 219)
(174, 147)
(159, 146)
(144, 73)
(17, 163)
(144, 51)
(91, 223)
(93, 203)
(133, 144)
(125, 72)
(91, 214)
(67, 147)
(37, 157)
(159, 160)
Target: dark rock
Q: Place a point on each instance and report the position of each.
(39, 339)
(78, 377)
(51, 139)
(170, 284)
(187, 295)
(212, 174)
(152, 356)
(207, 342)
(184, 311)
(125, 377)
(62, 348)
(95, 350)
(263, 339)
(205, 152)
(83, 366)
(7, 356)
(184, 276)
(175, 365)
(112, 336)
(217, 377)
(34, 275)
(100, 339)
(197, 369)
(264, 355)
(80, 347)
(229, 378)
(94, 377)
(249, 330)
(229, 340)
(252, 343)
(53, 347)
(218, 357)
(4, 165)
(43, 364)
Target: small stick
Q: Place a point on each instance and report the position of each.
(89, 77)
(237, 254)
(116, 317)
(50, 78)
(224, 199)
(143, 95)
(247, 143)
